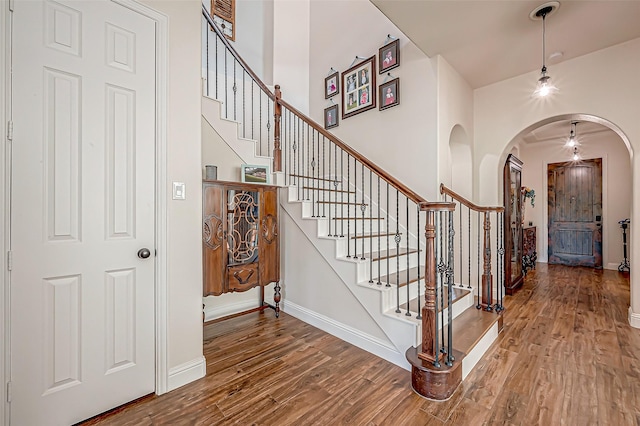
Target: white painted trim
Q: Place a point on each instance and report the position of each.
(5, 170)
(367, 342)
(612, 266)
(188, 372)
(161, 230)
(214, 312)
(479, 350)
(634, 318)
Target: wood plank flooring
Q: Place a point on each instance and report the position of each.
(566, 356)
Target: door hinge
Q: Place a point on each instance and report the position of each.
(9, 260)
(10, 130)
(8, 391)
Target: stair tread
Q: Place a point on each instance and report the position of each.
(457, 295)
(329, 190)
(380, 255)
(400, 278)
(314, 178)
(470, 326)
(373, 235)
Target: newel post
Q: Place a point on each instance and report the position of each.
(430, 349)
(277, 152)
(487, 279)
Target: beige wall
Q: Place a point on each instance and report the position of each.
(604, 84)
(184, 261)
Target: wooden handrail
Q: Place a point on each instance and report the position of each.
(237, 57)
(467, 203)
(364, 160)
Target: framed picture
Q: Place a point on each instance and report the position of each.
(331, 117)
(254, 174)
(390, 94)
(331, 85)
(359, 88)
(389, 56)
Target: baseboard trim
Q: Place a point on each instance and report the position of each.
(186, 373)
(634, 319)
(215, 312)
(347, 333)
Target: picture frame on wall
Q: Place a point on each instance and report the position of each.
(254, 174)
(389, 56)
(389, 94)
(331, 117)
(359, 88)
(331, 85)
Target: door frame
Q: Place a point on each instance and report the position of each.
(161, 199)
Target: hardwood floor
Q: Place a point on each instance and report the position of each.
(567, 355)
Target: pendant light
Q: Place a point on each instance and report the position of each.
(544, 86)
(575, 157)
(572, 141)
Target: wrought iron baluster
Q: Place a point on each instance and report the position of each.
(379, 236)
(441, 273)
(206, 31)
(469, 258)
(268, 130)
(324, 177)
(479, 295)
(235, 90)
(349, 205)
(419, 316)
(371, 227)
(216, 62)
(397, 239)
(459, 205)
(342, 194)
(408, 313)
(335, 186)
(388, 245)
(226, 86)
(450, 269)
(308, 163)
(363, 208)
(313, 173)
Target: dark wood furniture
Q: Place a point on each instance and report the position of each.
(240, 243)
(513, 225)
(529, 253)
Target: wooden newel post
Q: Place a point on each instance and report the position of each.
(277, 152)
(429, 344)
(487, 279)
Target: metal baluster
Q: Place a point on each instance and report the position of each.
(342, 195)
(355, 208)
(388, 246)
(308, 164)
(438, 295)
(268, 153)
(260, 120)
(348, 205)
(313, 173)
(461, 245)
(408, 256)
(226, 86)
(216, 66)
(324, 177)
(397, 239)
(363, 208)
(450, 270)
(371, 227)
(335, 186)
(235, 90)
(244, 96)
(469, 244)
(379, 221)
(479, 305)
(206, 31)
(441, 272)
(253, 108)
(419, 316)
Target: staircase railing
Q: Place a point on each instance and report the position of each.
(473, 227)
(400, 241)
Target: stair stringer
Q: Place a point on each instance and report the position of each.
(402, 331)
(229, 132)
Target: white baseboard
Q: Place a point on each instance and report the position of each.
(479, 350)
(612, 266)
(349, 334)
(634, 319)
(187, 373)
(214, 312)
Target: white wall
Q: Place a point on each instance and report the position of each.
(455, 129)
(291, 50)
(604, 84)
(616, 187)
(401, 139)
(4, 199)
(184, 165)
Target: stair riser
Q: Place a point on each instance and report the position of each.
(376, 269)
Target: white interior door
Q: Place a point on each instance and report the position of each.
(82, 301)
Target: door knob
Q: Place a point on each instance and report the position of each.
(143, 253)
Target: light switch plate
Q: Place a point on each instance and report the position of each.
(179, 191)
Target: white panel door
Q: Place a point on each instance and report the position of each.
(82, 301)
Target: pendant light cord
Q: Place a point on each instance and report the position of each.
(544, 67)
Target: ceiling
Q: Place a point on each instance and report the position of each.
(490, 41)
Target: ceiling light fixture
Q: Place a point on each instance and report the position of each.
(576, 157)
(572, 141)
(545, 86)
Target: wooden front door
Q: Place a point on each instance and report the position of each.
(575, 213)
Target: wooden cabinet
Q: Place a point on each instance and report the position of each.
(240, 243)
(529, 254)
(513, 224)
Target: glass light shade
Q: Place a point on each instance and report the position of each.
(545, 87)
